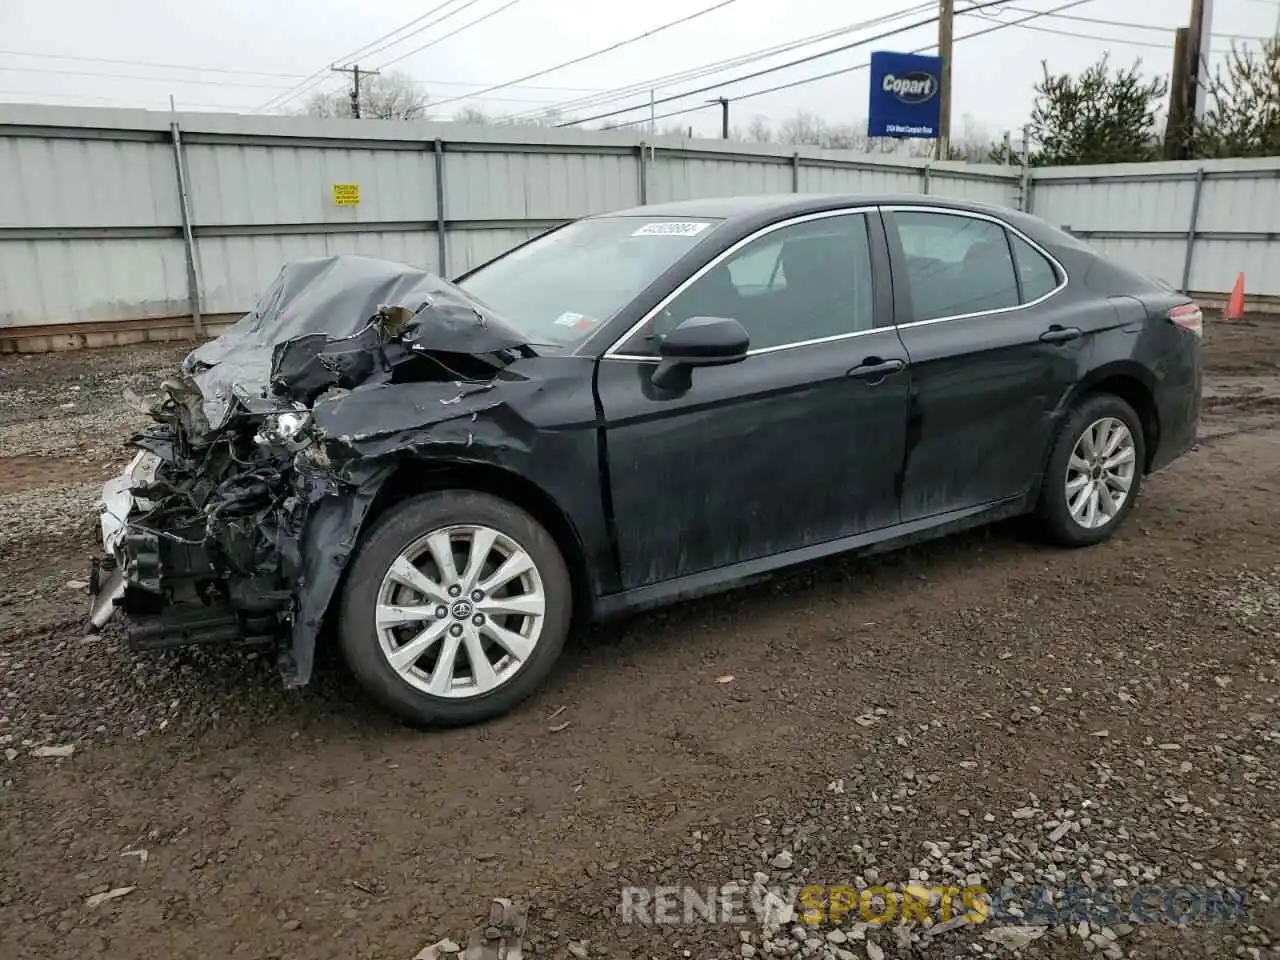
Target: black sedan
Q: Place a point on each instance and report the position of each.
(631, 409)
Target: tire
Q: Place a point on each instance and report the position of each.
(417, 691)
(1054, 511)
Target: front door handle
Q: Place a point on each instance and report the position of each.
(873, 369)
(1057, 334)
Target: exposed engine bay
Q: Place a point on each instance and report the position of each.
(238, 515)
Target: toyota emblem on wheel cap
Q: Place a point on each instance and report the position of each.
(462, 609)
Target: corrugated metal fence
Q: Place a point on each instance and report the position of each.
(133, 221)
(1193, 224)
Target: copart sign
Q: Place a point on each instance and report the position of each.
(905, 95)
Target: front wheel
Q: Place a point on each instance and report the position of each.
(1094, 472)
(456, 608)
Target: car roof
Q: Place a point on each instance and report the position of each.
(792, 204)
(745, 214)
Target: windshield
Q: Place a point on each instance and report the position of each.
(559, 288)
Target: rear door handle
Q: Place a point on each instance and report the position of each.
(874, 369)
(1057, 334)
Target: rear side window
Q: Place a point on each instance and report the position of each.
(1036, 273)
(955, 264)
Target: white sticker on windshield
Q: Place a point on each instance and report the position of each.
(569, 319)
(672, 228)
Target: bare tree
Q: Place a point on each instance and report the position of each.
(974, 144)
(550, 117)
(473, 116)
(758, 131)
(847, 136)
(383, 96)
(804, 129)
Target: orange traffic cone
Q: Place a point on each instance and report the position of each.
(1235, 303)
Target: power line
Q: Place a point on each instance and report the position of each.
(603, 50)
(297, 90)
(793, 63)
(260, 73)
(429, 44)
(482, 83)
(366, 50)
(720, 66)
(1032, 15)
(42, 97)
(1093, 36)
(532, 100)
(145, 63)
(129, 76)
(858, 66)
(432, 43)
(924, 49)
(427, 26)
(1128, 25)
(665, 116)
(451, 33)
(312, 79)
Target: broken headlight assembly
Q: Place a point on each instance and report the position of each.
(289, 430)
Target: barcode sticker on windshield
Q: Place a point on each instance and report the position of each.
(671, 228)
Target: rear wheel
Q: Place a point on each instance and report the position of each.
(456, 608)
(1094, 472)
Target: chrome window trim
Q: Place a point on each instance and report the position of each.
(715, 261)
(974, 215)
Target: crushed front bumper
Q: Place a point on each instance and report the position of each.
(182, 576)
(107, 578)
(142, 573)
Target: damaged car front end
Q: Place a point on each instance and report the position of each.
(237, 517)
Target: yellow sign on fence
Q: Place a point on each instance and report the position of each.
(346, 194)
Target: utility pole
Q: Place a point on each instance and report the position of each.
(355, 72)
(724, 116)
(1200, 34)
(946, 26)
(1180, 104)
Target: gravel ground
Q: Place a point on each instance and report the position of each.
(63, 418)
(975, 712)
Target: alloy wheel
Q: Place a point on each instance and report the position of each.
(1100, 472)
(460, 611)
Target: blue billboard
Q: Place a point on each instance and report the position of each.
(906, 95)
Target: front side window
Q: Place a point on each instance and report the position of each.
(955, 264)
(806, 281)
(565, 284)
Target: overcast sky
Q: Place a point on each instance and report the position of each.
(252, 50)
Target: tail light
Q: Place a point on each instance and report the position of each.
(1188, 317)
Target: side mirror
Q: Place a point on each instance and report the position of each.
(699, 342)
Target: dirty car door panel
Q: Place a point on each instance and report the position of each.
(788, 448)
(986, 385)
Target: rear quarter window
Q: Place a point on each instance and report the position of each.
(1039, 277)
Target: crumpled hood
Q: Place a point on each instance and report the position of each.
(341, 305)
